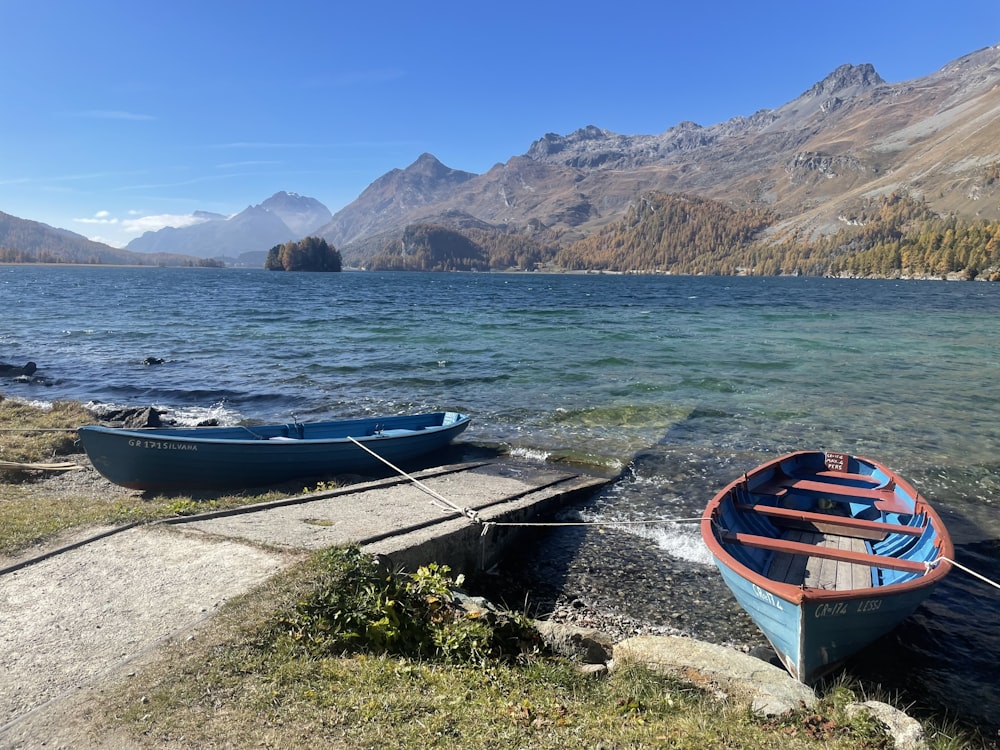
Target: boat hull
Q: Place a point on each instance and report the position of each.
(898, 551)
(167, 459)
(814, 638)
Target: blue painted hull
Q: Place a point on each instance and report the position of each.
(814, 638)
(814, 630)
(164, 459)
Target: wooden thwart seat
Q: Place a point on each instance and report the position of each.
(883, 499)
(840, 476)
(810, 550)
(831, 523)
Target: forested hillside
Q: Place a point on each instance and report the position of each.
(892, 236)
(430, 247)
(900, 237)
(670, 234)
(25, 241)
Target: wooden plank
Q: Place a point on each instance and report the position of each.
(798, 548)
(842, 575)
(830, 523)
(884, 499)
(788, 568)
(819, 572)
(843, 475)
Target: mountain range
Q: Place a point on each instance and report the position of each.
(240, 239)
(811, 162)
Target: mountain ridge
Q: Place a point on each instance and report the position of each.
(849, 136)
(281, 218)
(810, 162)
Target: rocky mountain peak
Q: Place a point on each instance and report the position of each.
(847, 80)
(428, 165)
(300, 213)
(552, 143)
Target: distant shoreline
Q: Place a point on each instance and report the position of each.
(513, 271)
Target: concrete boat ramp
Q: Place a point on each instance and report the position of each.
(76, 616)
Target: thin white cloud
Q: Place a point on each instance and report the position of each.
(265, 144)
(243, 164)
(160, 221)
(335, 145)
(101, 217)
(136, 224)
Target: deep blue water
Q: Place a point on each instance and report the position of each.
(679, 383)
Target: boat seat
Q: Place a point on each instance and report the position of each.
(831, 523)
(841, 476)
(883, 499)
(800, 548)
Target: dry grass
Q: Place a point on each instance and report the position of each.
(229, 687)
(31, 434)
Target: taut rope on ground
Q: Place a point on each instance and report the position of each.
(64, 466)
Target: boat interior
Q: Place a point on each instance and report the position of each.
(833, 531)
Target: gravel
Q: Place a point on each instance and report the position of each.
(73, 618)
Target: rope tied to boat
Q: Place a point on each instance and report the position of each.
(442, 502)
(963, 568)
(473, 515)
(488, 525)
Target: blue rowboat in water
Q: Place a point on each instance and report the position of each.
(232, 457)
(827, 552)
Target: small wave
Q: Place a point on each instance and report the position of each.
(185, 416)
(33, 403)
(531, 454)
(680, 540)
(192, 416)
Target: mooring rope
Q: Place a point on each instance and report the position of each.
(63, 466)
(964, 569)
(443, 502)
(38, 429)
(644, 522)
(473, 515)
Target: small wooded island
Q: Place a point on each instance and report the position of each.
(309, 254)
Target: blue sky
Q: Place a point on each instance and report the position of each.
(117, 117)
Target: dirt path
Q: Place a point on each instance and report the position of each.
(68, 620)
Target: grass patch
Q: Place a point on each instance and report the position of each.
(256, 679)
(32, 434)
(339, 653)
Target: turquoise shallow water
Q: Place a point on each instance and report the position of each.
(677, 383)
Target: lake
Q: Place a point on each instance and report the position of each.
(674, 385)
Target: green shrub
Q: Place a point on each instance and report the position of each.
(356, 605)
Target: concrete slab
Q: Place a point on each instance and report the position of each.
(438, 517)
